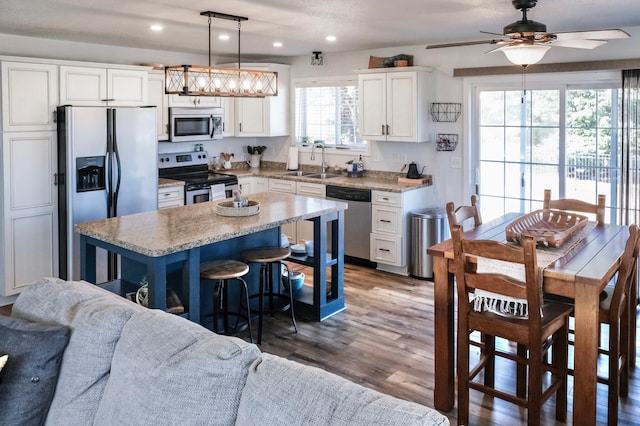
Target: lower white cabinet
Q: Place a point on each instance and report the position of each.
(29, 233)
(390, 222)
(288, 187)
(305, 227)
(252, 184)
(170, 196)
(300, 231)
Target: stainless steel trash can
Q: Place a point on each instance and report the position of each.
(428, 227)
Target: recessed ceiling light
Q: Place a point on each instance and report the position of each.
(330, 38)
(224, 37)
(156, 27)
(277, 44)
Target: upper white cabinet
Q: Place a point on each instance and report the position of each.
(393, 105)
(94, 86)
(160, 100)
(257, 117)
(228, 117)
(29, 96)
(193, 101)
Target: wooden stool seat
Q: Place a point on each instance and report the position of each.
(266, 254)
(223, 269)
(268, 257)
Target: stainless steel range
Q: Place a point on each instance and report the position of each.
(201, 185)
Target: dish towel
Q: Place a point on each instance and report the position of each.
(499, 303)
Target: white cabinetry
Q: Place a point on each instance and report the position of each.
(170, 196)
(315, 190)
(393, 105)
(29, 96)
(288, 187)
(303, 230)
(29, 211)
(253, 184)
(194, 101)
(94, 86)
(390, 220)
(160, 100)
(258, 117)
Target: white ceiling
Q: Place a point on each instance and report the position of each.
(301, 25)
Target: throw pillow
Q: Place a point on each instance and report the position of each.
(3, 361)
(28, 382)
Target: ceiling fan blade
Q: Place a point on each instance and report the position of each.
(592, 35)
(462, 43)
(579, 44)
(489, 32)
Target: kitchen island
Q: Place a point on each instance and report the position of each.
(153, 244)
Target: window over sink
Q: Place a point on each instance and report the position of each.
(327, 110)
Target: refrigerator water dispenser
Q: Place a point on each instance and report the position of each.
(90, 174)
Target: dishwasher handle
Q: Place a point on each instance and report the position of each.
(349, 194)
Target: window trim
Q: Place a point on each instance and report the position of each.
(324, 81)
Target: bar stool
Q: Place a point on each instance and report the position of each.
(267, 257)
(223, 271)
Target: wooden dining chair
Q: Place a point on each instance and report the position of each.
(575, 205)
(464, 214)
(544, 323)
(615, 311)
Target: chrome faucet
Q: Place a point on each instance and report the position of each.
(313, 155)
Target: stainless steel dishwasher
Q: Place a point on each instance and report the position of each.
(357, 220)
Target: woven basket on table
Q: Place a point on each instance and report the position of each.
(226, 208)
(549, 227)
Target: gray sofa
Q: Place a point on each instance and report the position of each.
(124, 364)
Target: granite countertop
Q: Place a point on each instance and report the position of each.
(162, 182)
(163, 232)
(381, 181)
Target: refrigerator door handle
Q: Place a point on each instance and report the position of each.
(117, 166)
(109, 162)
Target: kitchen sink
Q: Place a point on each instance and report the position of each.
(299, 173)
(323, 176)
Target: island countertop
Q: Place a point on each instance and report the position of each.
(162, 232)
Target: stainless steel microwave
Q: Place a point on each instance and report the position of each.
(195, 124)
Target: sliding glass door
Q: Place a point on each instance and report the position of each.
(563, 138)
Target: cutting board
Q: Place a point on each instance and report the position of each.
(407, 181)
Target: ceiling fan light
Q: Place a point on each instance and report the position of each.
(525, 54)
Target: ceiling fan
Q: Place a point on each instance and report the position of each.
(525, 42)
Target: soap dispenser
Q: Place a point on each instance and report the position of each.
(360, 164)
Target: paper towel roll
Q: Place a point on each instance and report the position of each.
(292, 162)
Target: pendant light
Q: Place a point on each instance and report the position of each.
(200, 80)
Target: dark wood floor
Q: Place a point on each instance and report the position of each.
(384, 340)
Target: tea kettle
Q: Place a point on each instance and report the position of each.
(413, 173)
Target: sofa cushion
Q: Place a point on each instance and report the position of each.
(283, 392)
(28, 381)
(96, 318)
(167, 370)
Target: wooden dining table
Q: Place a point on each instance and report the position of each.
(581, 274)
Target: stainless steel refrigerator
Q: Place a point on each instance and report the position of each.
(107, 167)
